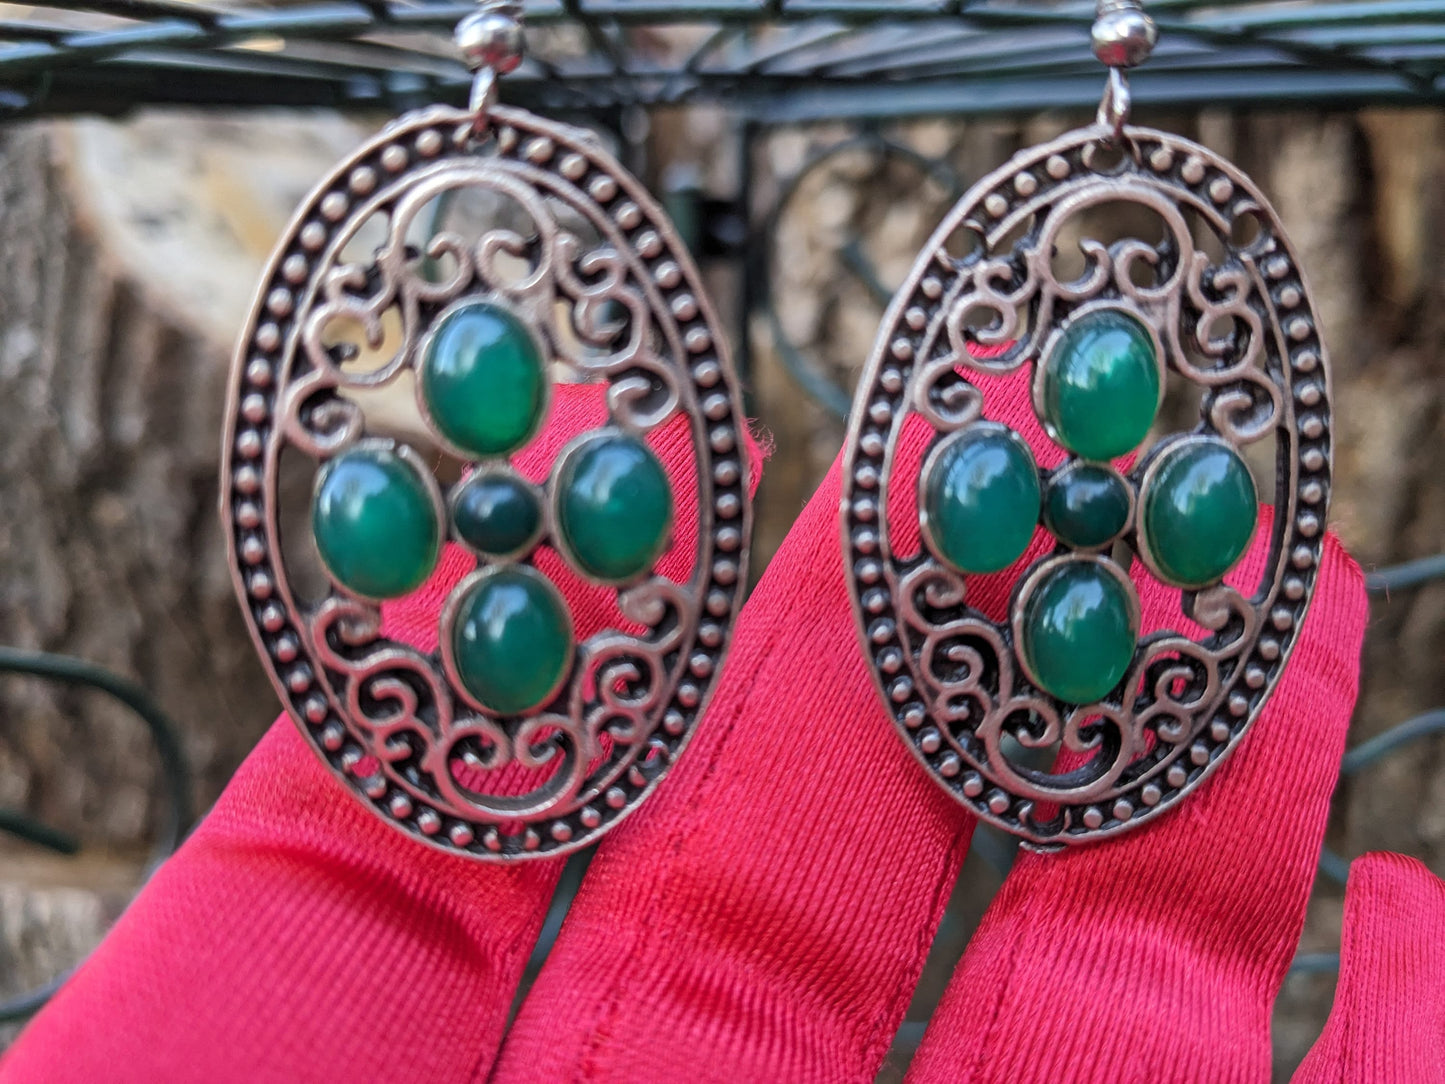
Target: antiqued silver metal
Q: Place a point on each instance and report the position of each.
(493, 44)
(1123, 35)
(492, 37)
(611, 293)
(1231, 317)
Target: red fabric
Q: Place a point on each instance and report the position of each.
(1157, 956)
(1388, 1022)
(295, 937)
(763, 918)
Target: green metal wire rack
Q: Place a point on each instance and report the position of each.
(775, 60)
(771, 63)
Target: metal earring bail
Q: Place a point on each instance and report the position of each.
(492, 44)
(518, 735)
(1064, 723)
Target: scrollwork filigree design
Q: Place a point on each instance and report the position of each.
(576, 249)
(1231, 318)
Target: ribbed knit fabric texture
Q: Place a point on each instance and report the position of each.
(763, 918)
(295, 937)
(1388, 1021)
(1157, 956)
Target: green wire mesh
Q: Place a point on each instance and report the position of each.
(772, 60)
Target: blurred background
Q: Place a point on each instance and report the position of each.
(153, 151)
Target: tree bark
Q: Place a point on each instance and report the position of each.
(130, 251)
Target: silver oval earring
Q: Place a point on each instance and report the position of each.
(571, 268)
(1140, 717)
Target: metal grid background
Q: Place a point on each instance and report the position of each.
(782, 60)
(771, 62)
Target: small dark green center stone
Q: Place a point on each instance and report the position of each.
(375, 524)
(981, 499)
(1100, 387)
(1086, 505)
(1198, 512)
(483, 380)
(497, 514)
(1079, 632)
(512, 640)
(614, 506)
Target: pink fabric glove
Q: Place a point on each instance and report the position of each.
(1388, 1023)
(764, 917)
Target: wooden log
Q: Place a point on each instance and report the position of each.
(131, 250)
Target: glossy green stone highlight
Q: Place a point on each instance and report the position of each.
(1086, 505)
(1198, 512)
(374, 522)
(614, 506)
(1100, 385)
(512, 641)
(483, 380)
(497, 514)
(981, 499)
(1079, 632)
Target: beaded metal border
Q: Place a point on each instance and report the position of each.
(919, 366)
(265, 367)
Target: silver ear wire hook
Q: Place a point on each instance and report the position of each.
(1123, 38)
(492, 44)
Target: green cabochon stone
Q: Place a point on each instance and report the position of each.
(981, 498)
(512, 640)
(1100, 385)
(614, 506)
(1198, 512)
(497, 514)
(484, 380)
(1079, 632)
(1086, 505)
(375, 524)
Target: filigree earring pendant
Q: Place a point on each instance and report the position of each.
(1064, 719)
(469, 265)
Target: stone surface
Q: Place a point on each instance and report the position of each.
(497, 514)
(375, 525)
(484, 380)
(1079, 632)
(1101, 380)
(1198, 512)
(981, 499)
(1086, 505)
(614, 507)
(512, 640)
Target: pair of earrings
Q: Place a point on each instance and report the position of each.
(524, 735)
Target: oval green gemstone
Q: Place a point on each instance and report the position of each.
(1198, 512)
(1079, 632)
(1100, 385)
(512, 640)
(483, 380)
(614, 506)
(981, 499)
(497, 514)
(1086, 505)
(374, 522)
